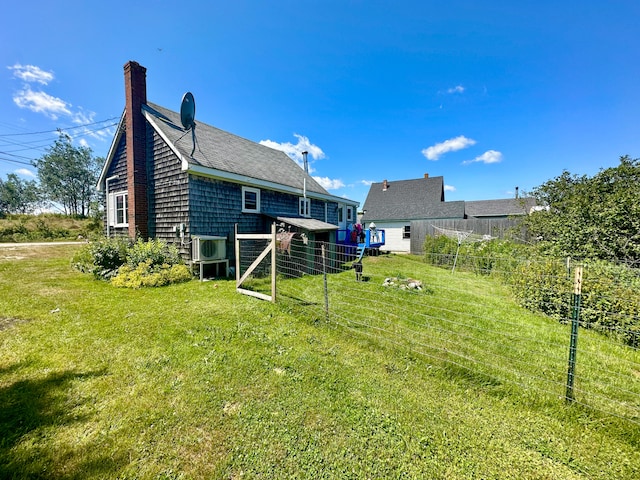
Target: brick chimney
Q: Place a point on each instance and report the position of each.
(135, 86)
(385, 185)
(426, 175)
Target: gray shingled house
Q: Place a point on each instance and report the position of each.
(406, 208)
(164, 182)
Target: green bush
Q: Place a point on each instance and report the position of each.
(610, 300)
(543, 285)
(143, 264)
(147, 275)
(440, 250)
(154, 252)
(102, 258)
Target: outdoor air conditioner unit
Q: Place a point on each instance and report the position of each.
(205, 248)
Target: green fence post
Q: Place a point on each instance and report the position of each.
(324, 275)
(575, 320)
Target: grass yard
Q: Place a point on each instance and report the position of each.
(197, 381)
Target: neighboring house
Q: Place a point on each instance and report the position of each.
(162, 181)
(501, 208)
(402, 208)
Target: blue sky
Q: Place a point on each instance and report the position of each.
(491, 95)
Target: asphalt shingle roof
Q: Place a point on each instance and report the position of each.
(498, 208)
(226, 152)
(421, 198)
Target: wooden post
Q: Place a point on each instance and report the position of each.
(237, 243)
(324, 275)
(273, 262)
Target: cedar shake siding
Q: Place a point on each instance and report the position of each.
(118, 167)
(168, 191)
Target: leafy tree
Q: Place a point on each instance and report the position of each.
(591, 217)
(68, 175)
(17, 195)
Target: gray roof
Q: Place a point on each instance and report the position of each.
(309, 224)
(421, 198)
(499, 208)
(220, 151)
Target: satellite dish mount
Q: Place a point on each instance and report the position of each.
(188, 116)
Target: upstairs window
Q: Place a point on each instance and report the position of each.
(250, 200)
(304, 208)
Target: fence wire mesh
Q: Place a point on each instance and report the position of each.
(468, 323)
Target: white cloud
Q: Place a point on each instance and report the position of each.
(41, 102)
(490, 156)
(449, 188)
(368, 183)
(295, 151)
(25, 172)
(50, 106)
(31, 73)
(453, 144)
(456, 89)
(328, 183)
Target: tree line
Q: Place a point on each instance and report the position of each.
(67, 175)
(595, 217)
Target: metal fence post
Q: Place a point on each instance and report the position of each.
(575, 320)
(324, 275)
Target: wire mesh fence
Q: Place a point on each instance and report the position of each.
(471, 325)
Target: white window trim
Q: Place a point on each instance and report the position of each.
(250, 190)
(304, 207)
(406, 235)
(112, 214)
(350, 214)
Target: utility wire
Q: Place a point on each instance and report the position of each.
(58, 129)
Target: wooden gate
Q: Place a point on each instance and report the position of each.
(269, 249)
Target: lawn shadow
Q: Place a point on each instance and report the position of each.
(36, 405)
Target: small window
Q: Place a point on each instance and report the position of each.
(406, 231)
(304, 207)
(349, 214)
(250, 200)
(118, 213)
(340, 214)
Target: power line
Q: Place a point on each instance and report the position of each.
(15, 161)
(59, 129)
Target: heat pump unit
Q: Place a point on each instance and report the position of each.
(205, 248)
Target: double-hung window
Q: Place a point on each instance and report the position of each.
(250, 200)
(406, 231)
(118, 214)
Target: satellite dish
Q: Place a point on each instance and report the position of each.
(188, 111)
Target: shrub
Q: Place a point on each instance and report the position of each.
(154, 252)
(147, 275)
(440, 250)
(543, 285)
(102, 258)
(143, 264)
(610, 300)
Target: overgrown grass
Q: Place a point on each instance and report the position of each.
(196, 381)
(47, 227)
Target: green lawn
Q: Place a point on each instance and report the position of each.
(197, 381)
